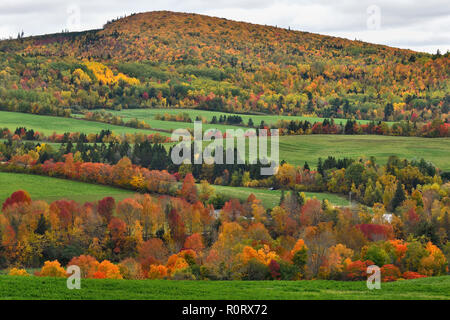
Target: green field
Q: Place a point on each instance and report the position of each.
(271, 198)
(49, 124)
(55, 189)
(52, 288)
(148, 116)
(294, 149)
(298, 149)
(51, 189)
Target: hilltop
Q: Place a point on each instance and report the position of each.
(167, 59)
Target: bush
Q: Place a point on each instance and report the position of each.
(52, 269)
(256, 271)
(87, 264)
(183, 274)
(157, 272)
(18, 272)
(412, 275)
(274, 268)
(108, 270)
(377, 255)
(357, 270)
(131, 269)
(389, 272)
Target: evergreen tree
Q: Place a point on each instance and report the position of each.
(320, 167)
(399, 196)
(306, 166)
(42, 225)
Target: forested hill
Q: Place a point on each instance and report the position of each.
(166, 59)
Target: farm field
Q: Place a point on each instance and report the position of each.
(436, 288)
(294, 149)
(56, 189)
(50, 124)
(51, 189)
(271, 198)
(298, 149)
(148, 115)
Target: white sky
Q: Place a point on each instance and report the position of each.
(418, 25)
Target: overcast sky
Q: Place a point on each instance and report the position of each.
(422, 25)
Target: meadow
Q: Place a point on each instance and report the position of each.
(56, 189)
(52, 189)
(50, 124)
(271, 198)
(293, 149)
(298, 149)
(148, 116)
(30, 288)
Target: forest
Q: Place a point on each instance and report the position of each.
(144, 60)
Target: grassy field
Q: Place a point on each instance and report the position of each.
(53, 288)
(271, 198)
(49, 124)
(298, 149)
(294, 149)
(148, 116)
(51, 189)
(56, 189)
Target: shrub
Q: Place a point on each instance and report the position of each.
(412, 275)
(288, 271)
(52, 269)
(183, 274)
(110, 270)
(256, 270)
(389, 272)
(88, 265)
(99, 275)
(377, 255)
(357, 270)
(131, 269)
(157, 272)
(274, 269)
(18, 272)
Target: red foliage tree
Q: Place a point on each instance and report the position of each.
(274, 268)
(376, 232)
(106, 208)
(189, 190)
(17, 197)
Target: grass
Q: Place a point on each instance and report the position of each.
(437, 288)
(51, 189)
(298, 149)
(50, 124)
(56, 189)
(271, 198)
(148, 115)
(294, 149)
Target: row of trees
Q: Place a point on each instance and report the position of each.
(105, 136)
(182, 238)
(410, 127)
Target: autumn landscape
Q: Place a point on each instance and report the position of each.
(87, 178)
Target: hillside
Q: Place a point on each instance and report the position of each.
(166, 59)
